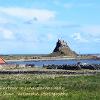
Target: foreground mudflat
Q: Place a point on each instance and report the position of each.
(49, 87)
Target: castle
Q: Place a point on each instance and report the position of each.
(62, 49)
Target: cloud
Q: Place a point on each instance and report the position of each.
(97, 40)
(88, 33)
(49, 36)
(29, 13)
(27, 37)
(74, 5)
(92, 31)
(68, 5)
(59, 24)
(56, 2)
(3, 20)
(78, 37)
(6, 34)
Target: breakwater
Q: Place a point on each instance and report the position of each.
(73, 67)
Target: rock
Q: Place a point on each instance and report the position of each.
(62, 49)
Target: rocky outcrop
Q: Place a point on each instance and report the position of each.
(62, 49)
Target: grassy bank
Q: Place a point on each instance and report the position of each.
(49, 87)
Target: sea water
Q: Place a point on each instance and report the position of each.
(56, 62)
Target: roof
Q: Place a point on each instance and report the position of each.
(2, 61)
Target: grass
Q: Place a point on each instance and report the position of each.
(49, 87)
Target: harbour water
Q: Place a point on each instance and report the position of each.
(56, 62)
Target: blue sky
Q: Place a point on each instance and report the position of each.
(34, 26)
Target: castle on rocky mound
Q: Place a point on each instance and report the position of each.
(62, 49)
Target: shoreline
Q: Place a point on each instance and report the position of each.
(24, 60)
(50, 59)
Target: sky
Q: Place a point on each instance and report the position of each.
(34, 26)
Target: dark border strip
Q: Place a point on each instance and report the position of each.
(46, 72)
